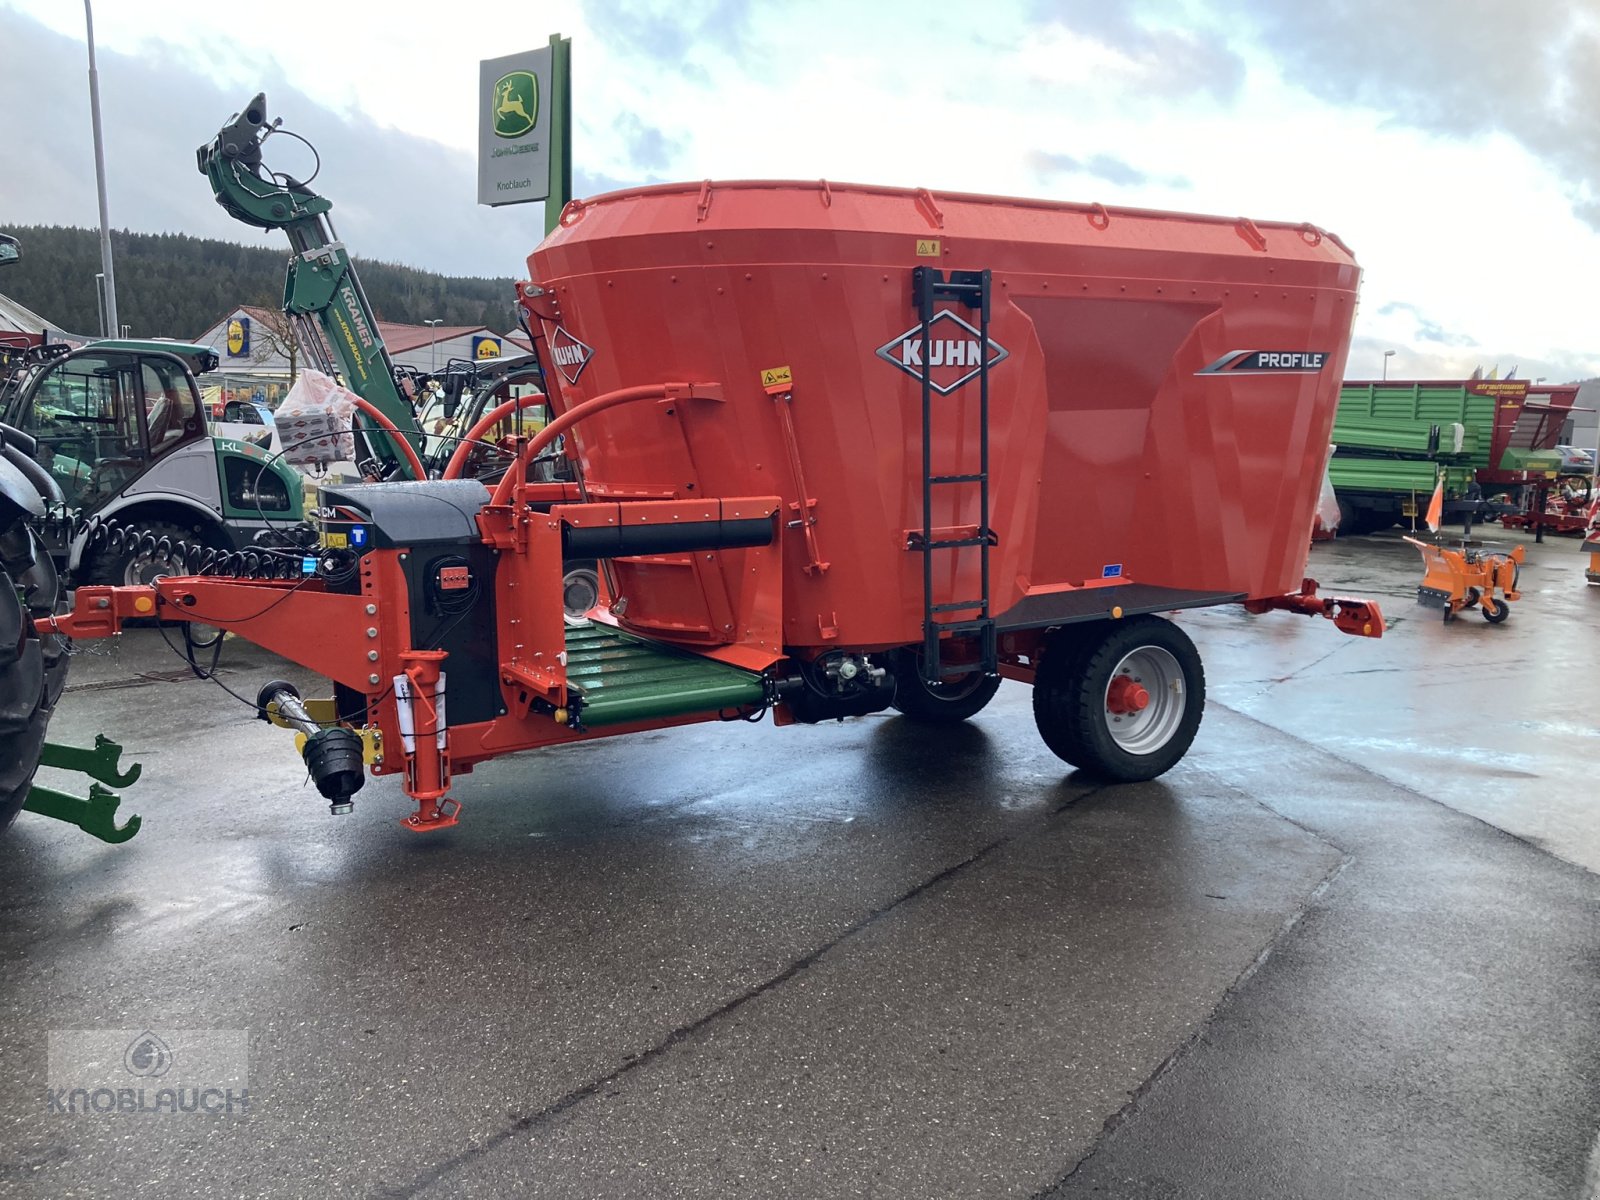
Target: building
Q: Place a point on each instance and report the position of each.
(258, 353)
(1583, 429)
(20, 326)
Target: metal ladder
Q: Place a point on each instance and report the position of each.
(971, 289)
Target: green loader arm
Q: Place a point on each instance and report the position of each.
(321, 286)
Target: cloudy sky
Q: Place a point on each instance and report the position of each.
(1453, 144)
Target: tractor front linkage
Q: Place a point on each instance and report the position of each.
(96, 815)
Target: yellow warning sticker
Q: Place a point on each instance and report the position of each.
(335, 541)
(777, 378)
(927, 247)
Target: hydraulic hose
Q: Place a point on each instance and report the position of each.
(488, 421)
(652, 391)
(377, 415)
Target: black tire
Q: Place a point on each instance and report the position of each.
(1358, 522)
(33, 670)
(944, 703)
(580, 587)
(1496, 611)
(129, 565)
(1071, 697)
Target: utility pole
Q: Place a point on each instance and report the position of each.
(108, 322)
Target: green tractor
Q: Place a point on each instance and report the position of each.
(33, 669)
(33, 665)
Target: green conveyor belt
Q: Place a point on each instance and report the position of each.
(625, 678)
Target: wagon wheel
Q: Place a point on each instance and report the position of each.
(131, 566)
(942, 703)
(1496, 611)
(1122, 701)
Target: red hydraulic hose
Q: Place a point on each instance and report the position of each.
(653, 391)
(488, 421)
(383, 421)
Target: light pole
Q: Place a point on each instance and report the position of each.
(109, 320)
(433, 333)
(1387, 355)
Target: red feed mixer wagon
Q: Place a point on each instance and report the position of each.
(839, 448)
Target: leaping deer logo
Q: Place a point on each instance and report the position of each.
(506, 103)
(516, 104)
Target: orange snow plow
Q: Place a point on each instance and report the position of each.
(1468, 576)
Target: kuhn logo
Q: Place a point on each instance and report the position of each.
(955, 353)
(571, 356)
(1268, 362)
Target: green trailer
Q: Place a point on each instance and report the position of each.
(1395, 439)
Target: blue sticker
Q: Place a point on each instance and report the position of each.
(1111, 571)
(358, 535)
(308, 566)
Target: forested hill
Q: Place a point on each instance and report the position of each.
(172, 285)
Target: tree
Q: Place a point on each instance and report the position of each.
(276, 339)
(174, 285)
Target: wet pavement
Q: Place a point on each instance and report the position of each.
(1345, 949)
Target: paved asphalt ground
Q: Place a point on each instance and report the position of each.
(1346, 949)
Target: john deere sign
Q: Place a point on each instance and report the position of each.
(516, 104)
(514, 128)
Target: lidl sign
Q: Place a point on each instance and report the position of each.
(238, 337)
(485, 346)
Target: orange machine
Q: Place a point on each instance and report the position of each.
(1591, 547)
(1468, 576)
(839, 448)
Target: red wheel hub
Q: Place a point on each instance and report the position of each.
(1124, 696)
